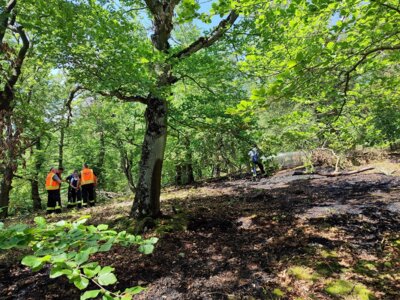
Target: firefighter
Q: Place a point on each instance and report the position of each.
(88, 182)
(74, 190)
(53, 185)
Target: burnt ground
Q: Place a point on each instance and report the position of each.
(285, 237)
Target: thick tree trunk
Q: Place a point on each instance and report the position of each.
(147, 197)
(5, 190)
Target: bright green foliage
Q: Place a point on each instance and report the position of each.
(324, 68)
(67, 248)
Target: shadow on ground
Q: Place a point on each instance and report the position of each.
(295, 238)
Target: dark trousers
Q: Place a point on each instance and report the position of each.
(254, 168)
(88, 194)
(53, 201)
(74, 197)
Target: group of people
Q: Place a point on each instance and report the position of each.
(81, 188)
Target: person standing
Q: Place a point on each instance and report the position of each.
(53, 185)
(88, 182)
(74, 190)
(255, 160)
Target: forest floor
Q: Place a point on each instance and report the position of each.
(283, 237)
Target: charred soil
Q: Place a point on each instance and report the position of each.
(284, 237)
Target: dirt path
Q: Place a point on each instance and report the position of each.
(285, 237)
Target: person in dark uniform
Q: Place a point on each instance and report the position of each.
(74, 190)
(53, 185)
(88, 183)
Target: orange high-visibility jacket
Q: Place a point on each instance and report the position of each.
(51, 184)
(87, 176)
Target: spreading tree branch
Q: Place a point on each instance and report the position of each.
(197, 83)
(70, 98)
(387, 6)
(125, 98)
(4, 16)
(204, 42)
(7, 94)
(347, 74)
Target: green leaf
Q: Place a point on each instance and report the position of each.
(91, 272)
(106, 278)
(82, 257)
(1, 225)
(146, 248)
(90, 294)
(291, 63)
(40, 221)
(106, 270)
(59, 258)
(81, 282)
(135, 290)
(105, 247)
(61, 223)
(152, 240)
(330, 45)
(58, 271)
(102, 227)
(107, 297)
(32, 261)
(18, 227)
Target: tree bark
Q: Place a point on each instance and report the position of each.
(37, 201)
(9, 131)
(178, 175)
(189, 173)
(61, 147)
(147, 197)
(6, 189)
(126, 164)
(102, 155)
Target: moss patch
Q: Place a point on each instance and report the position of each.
(303, 273)
(347, 288)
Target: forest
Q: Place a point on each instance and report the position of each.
(200, 149)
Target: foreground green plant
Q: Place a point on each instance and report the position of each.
(66, 247)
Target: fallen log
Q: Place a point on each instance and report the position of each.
(334, 174)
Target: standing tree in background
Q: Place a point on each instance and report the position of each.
(14, 46)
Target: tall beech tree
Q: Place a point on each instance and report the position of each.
(14, 46)
(112, 34)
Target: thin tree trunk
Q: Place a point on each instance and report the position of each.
(188, 165)
(6, 185)
(178, 175)
(147, 197)
(189, 173)
(37, 202)
(102, 154)
(126, 164)
(61, 147)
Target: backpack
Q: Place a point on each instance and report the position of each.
(254, 158)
